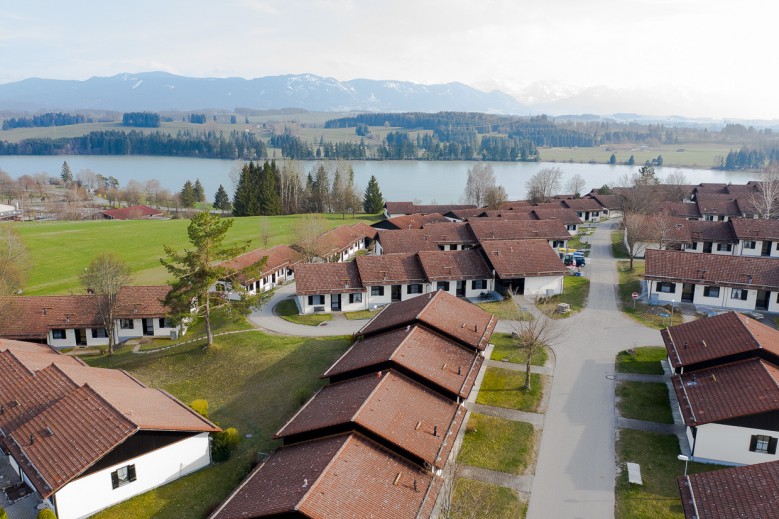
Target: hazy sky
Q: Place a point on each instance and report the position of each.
(720, 55)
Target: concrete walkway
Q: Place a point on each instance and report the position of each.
(576, 468)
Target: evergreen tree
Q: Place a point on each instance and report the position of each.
(188, 195)
(373, 202)
(354, 201)
(308, 195)
(268, 195)
(221, 199)
(198, 191)
(242, 198)
(631, 161)
(321, 194)
(338, 197)
(66, 174)
(613, 159)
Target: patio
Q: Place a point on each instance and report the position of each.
(24, 508)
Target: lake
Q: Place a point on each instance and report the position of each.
(428, 181)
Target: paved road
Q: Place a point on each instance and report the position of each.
(576, 469)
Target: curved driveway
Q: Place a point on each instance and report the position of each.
(575, 472)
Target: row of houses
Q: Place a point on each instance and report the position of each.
(525, 266)
(374, 441)
(74, 320)
(726, 379)
(87, 438)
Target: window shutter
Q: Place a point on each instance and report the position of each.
(753, 444)
(772, 445)
(115, 479)
(131, 472)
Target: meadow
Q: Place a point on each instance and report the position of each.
(59, 251)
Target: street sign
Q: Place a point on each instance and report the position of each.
(634, 295)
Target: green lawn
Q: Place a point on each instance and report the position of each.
(629, 282)
(288, 311)
(644, 360)
(644, 401)
(659, 495)
(498, 444)
(674, 155)
(59, 251)
(575, 292)
(361, 314)
(505, 350)
(504, 309)
(505, 388)
(222, 320)
(477, 500)
(580, 241)
(618, 249)
(252, 381)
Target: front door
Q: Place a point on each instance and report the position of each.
(688, 292)
(148, 326)
(766, 250)
(81, 337)
(335, 302)
(763, 297)
(461, 289)
(395, 293)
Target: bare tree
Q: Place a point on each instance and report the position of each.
(14, 261)
(575, 185)
(105, 276)
(133, 193)
(481, 178)
(638, 229)
(532, 334)
(678, 186)
(764, 201)
(662, 225)
(290, 187)
(542, 186)
(153, 188)
(496, 196)
(265, 231)
(305, 234)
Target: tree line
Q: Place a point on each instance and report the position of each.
(44, 120)
(749, 158)
(208, 144)
(141, 119)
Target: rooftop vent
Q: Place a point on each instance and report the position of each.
(48, 431)
(397, 478)
(693, 381)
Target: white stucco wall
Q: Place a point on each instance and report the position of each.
(85, 496)
(305, 308)
(730, 444)
(724, 300)
(70, 339)
(538, 285)
(136, 331)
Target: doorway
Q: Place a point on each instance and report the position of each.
(395, 296)
(763, 296)
(688, 292)
(460, 289)
(335, 302)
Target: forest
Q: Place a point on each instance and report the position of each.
(44, 120)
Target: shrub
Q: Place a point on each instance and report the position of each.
(3, 514)
(224, 444)
(46, 514)
(302, 395)
(200, 407)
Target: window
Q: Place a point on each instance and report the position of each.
(99, 333)
(58, 333)
(750, 244)
(711, 291)
(377, 291)
(415, 288)
(123, 476)
(559, 243)
(708, 218)
(724, 247)
(739, 293)
(479, 284)
(126, 324)
(666, 287)
(316, 300)
(355, 298)
(442, 285)
(165, 323)
(763, 444)
(694, 245)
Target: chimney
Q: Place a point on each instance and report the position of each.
(32, 438)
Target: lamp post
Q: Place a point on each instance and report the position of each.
(685, 459)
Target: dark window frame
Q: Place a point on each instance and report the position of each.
(377, 290)
(479, 284)
(59, 333)
(763, 444)
(123, 476)
(355, 297)
(127, 324)
(414, 288)
(707, 291)
(665, 284)
(442, 285)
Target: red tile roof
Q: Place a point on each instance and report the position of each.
(737, 492)
(327, 278)
(454, 265)
(416, 221)
(335, 241)
(610, 202)
(728, 391)
(346, 475)
(755, 229)
(142, 302)
(516, 214)
(518, 230)
(563, 214)
(717, 205)
(387, 406)
(415, 350)
(390, 269)
(710, 231)
(450, 233)
(712, 269)
(280, 256)
(681, 209)
(513, 205)
(411, 208)
(523, 258)
(583, 204)
(716, 337)
(133, 212)
(441, 311)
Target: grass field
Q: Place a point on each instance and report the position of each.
(576, 289)
(506, 350)
(676, 155)
(476, 500)
(505, 388)
(252, 381)
(629, 282)
(498, 444)
(288, 311)
(59, 251)
(644, 401)
(644, 360)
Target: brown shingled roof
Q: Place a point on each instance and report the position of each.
(327, 278)
(755, 228)
(388, 407)
(416, 221)
(411, 208)
(278, 257)
(583, 204)
(566, 215)
(710, 231)
(450, 233)
(440, 311)
(717, 205)
(712, 269)
(518, 230)
(346, 475)
(743, 492)
(717, 337)
(133, 212)
(681, 209)
(141, 302)
(728, 391)
(522, 258)
(408, 241)
(389, 269)
(454, 265)
(415, 350)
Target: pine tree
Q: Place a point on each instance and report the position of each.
(188, 195)
(321, 198)
(338, 195)
(308, 195)
(613, 159)
(221, 199)
(66, 174)
(373, 202)
(198, 191)
(269, 200)
(631, 161)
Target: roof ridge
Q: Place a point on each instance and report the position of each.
(748, 329)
